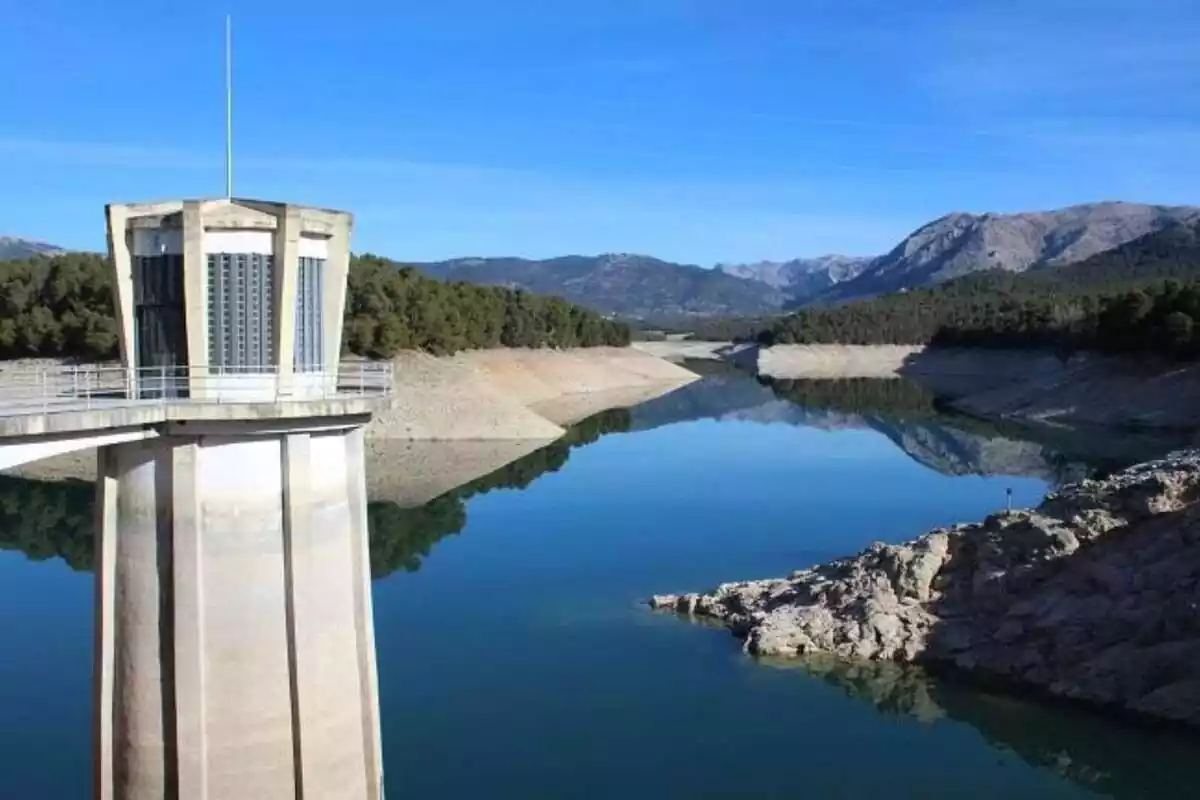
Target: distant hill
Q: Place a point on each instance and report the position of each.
(801, 278)
(960, 244)
(12, 248)
(1142, 296)
(1173, 252)
(631, 286)
(647, 289)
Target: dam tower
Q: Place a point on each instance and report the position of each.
(235, 653)
(234, 640)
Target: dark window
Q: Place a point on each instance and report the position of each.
(160, 336)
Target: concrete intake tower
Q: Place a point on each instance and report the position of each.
(234, 641)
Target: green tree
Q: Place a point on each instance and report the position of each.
(62, 306)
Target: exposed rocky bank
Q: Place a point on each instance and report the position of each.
(1094, 595)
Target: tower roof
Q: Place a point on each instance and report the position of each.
(225, 212)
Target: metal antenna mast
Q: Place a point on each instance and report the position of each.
(228, 106)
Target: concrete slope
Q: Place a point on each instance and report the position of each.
(534, 376)
(496, 394)
(476, 396)
(411, 473)
(444, 398)
(573, 408)
(830, 360)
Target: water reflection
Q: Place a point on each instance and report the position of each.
(916, 421)
(419, 490)
(920, 423)
(1077, 744)
(402, 537)
(46, 519)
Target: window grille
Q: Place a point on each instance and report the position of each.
(241, 324)
(310, 338)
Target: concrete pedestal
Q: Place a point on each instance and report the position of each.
(235, 651)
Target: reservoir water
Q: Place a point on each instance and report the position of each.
(516, 657)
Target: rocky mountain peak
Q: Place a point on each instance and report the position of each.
(801, 277)
(14, 247)
(961, 243)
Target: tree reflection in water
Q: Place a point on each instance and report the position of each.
(45, 520)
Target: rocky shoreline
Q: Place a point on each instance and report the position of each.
(1093, 596)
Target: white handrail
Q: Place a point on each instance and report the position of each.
(24, 390)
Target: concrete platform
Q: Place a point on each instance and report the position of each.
(35, 434)
(116, 414)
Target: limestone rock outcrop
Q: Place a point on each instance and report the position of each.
(1094, 595)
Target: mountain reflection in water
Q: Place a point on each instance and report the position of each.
(916, 421)
(46, 519)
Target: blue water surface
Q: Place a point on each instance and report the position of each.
(520, 661)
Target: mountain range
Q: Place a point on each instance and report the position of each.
(13, 248)
(959, 244)
(631, 286)
(639, 287)
(801, 277)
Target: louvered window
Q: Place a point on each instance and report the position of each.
(241, 290)
(310, 339)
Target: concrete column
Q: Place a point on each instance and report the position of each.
(188, 617)
(333, 698)
(364, 615)
(338, 268)
(287, 266)
(195, 295)
(119, 254)
(141, 669)
(297, 519)
(235, 649)
(105, 632)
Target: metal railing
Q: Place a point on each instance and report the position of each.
(84, 387)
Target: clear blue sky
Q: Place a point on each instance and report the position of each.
(696, 130)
